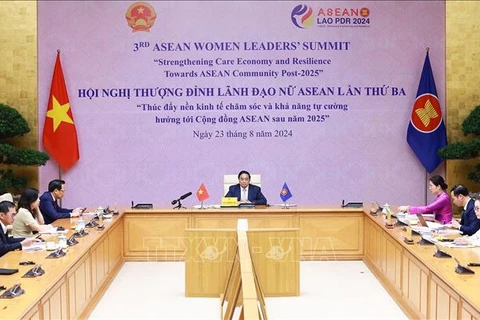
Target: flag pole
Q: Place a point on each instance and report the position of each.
(60, 178)
(426, 172)
(59, 168)
(426, 184)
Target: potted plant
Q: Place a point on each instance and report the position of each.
(469, 149)
(13, 124)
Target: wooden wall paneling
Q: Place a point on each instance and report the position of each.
(330, 236)
(54, 303)
(79, 286)
(156, 237)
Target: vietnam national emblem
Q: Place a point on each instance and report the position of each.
(141, 16)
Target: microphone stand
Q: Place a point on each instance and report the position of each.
(179, 205)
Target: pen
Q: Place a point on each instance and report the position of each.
(474, 264)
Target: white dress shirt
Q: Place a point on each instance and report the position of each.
(475, 238)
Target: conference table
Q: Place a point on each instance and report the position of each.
(425, 287)
(422, 285)
(71, 283)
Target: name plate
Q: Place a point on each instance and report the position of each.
(229, 202)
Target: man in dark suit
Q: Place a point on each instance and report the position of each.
(246, 192)
(469, 224)
(7, 216)
(48, 203)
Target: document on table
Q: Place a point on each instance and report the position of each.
(434, 225)
(455, 245)
(422, 230)
(446, 244)
(448, 231)
(54, 230)
(38, 246)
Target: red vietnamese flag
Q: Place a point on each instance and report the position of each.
(202, 193)
(59, 132)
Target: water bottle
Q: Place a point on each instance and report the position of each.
(387, 207)
(62, 241)
(80, 224)
(100, 211)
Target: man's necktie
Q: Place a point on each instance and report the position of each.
(244, 194)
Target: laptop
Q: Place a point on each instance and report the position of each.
(422, 221)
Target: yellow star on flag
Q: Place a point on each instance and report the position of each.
(59, 113)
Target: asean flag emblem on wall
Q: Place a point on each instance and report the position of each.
(426, 113)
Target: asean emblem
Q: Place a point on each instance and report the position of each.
(426, 114)
(364, 12)
(140, 16)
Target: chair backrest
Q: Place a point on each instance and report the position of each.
(231, 179)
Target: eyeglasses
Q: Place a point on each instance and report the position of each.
(62, 190)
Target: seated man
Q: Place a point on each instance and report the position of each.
(475, 238)
(469, 224)
(246, 192)
(48, 203)
(7, 216)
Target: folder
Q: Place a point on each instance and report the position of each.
(4, 271)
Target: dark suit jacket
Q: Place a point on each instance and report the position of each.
(8, 243)
(254, 194)
(469, 223)
(51, 211)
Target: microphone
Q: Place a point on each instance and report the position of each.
(186, 195)
(179, 205)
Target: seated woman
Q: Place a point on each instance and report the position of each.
(246, 192)
(28, 218)
(441, 207)
(475, 238)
